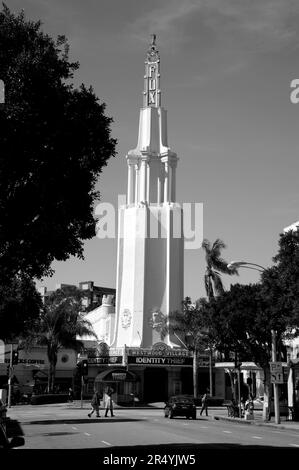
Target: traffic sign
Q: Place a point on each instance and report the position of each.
(276, 372)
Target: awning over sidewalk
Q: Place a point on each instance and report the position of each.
(244, 366)
(116, 375)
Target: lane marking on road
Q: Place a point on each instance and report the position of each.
(107, 443)
(294, 445)
(203, 427)
(228, 432)
(73, 427)
(256, 437)
(185, 424)
(278, 432)
(87, 434)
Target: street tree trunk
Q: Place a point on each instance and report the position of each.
(233, 383)
(52, 357)
(267, 394)
(51, 377)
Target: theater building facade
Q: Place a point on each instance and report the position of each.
(134, 353)
(146, 374)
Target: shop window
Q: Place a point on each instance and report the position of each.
(176, 388)
(90, 388)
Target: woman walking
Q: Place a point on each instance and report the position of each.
(109, 402)
(204, 403)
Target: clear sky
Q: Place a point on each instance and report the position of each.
(226, 69)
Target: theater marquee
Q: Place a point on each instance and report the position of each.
(160, 361)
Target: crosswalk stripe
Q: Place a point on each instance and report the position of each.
(107, 443)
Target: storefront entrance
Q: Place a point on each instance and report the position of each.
(125, 385)
(155, 384)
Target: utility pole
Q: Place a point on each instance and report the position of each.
(239, 392)
(82, 386)
(237, 367)
(211, 371)
(275, 385)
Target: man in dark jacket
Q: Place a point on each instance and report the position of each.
(95, 405)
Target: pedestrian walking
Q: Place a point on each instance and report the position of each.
(109, 402)
(95, 405)
(204, 404)
(70, 395)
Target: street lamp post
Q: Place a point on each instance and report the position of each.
(276, 394)
(210, 350)
(258, 267)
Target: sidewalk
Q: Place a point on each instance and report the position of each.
(258, 421)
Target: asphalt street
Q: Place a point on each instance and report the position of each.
(145, 427)
(57, 432)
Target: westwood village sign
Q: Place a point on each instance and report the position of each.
(159, 354)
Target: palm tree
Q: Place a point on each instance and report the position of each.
(59, 325)
(190, 326)
(215, 266)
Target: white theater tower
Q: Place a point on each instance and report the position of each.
(150, 240)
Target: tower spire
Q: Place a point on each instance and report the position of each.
(152, 93)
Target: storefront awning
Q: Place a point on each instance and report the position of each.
(231, 365)
(116, 375)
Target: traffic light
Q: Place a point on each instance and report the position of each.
(84, 369)
(15, 358)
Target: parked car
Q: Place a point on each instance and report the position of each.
(180, 405)
(258, 403)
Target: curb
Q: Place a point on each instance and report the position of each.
(232, 420)
(266, 425)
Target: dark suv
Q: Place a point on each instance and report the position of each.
(180, 405)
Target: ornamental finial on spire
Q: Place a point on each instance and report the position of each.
(152, 93)
(153, 53)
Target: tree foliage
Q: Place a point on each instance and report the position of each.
(54, 141)
(59, 326)
(19, 308)
(242, 318)
(281, 282)
(189, 325)
(215, 266)
(239, 322)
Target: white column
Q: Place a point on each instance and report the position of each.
(166, 182)
(130, 196)
(137, 185)
(159, 188)
(148, 172)
(143, 180)
(170, 180)
(173, 185)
